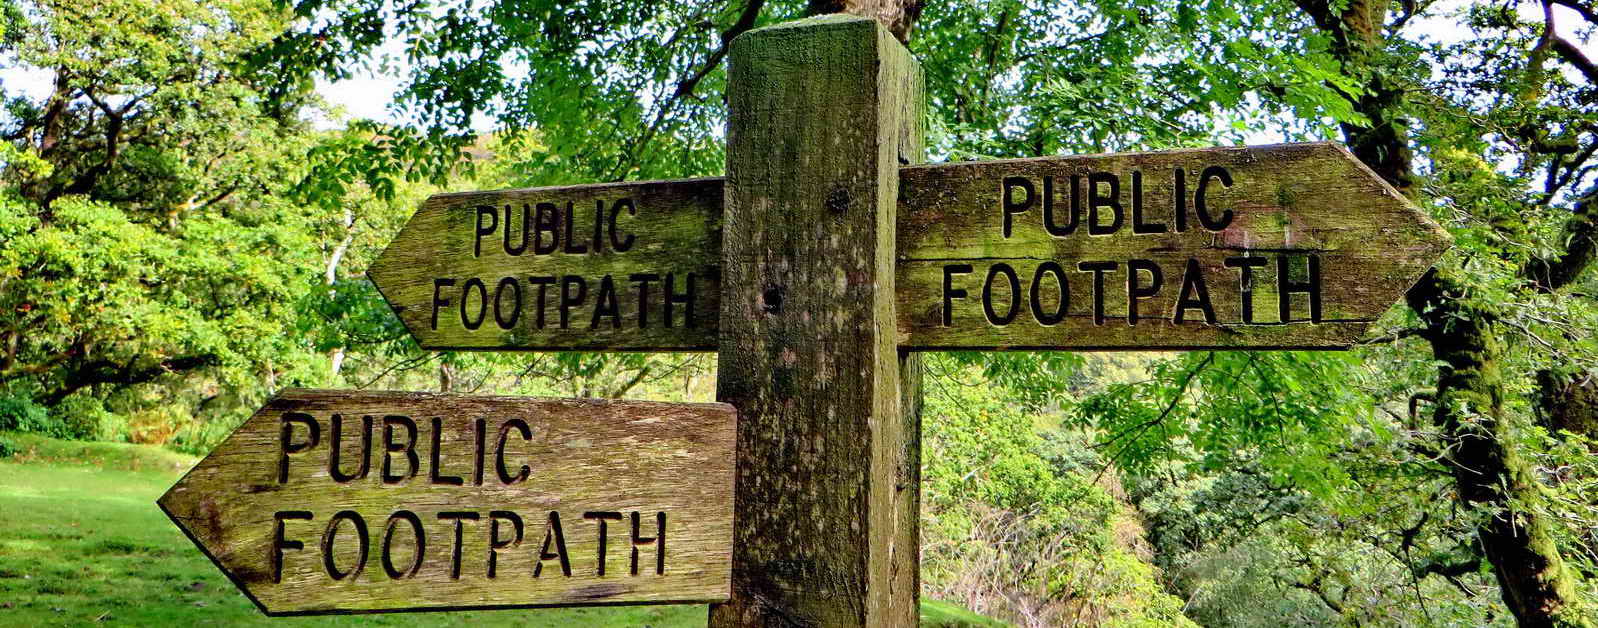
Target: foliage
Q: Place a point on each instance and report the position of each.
(21, 414)
(1291, 421)
(1016, 525)
(1249, 550)
(147, 239)
(176, 244)
(642, 66)
(107, 300)
(1009, 78)
(87, 418)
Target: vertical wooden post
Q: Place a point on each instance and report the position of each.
(823, 111)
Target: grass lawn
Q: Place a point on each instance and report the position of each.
(81, 541)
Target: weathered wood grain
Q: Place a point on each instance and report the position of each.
(822, 110)
(1292, 201)
(663, 229)
(584, 456)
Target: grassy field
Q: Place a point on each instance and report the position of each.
(81, 542)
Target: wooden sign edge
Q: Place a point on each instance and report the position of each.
(572, 347)
(441, 196)
(238, 584)
(1309, 145)
(1130, 348)
(486, 607)
(160, 502)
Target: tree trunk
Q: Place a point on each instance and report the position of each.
(52, 126)
(1490, 475)
(1569, 403)
(330, 277)
(899, 16)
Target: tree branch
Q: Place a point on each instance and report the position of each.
(55, 108)
(1581, 236)
(85, 182)
(1209, 358)
(685, 87)
(1393, 337)
(1573, 56)
(1314, 586)
(226, 192)
(622, 389)
(1450, 569)
(107, 372)
(1586, 12)
(898, 16)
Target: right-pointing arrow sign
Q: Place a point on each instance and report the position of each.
(1286, 246)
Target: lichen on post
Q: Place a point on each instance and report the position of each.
(824, 110)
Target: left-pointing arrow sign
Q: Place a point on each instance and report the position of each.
(344, 501)
(616, 266)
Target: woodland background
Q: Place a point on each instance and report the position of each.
(185, 224)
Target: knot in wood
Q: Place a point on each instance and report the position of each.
(838, 200)
(771, 299)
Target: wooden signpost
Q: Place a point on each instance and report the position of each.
(1265, 247)
(347, 501)
(816, 268)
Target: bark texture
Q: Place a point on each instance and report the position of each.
(898, 16)
(1569, 402)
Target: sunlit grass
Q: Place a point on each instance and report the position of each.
(82, 541)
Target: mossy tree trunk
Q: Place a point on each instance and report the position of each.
(1489, 473)
(1569, 402)
(1491, 476)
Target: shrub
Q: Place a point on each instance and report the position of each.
(198, 438)
(23, 415)
(1025, 527)
(83, 417)
(156, 426)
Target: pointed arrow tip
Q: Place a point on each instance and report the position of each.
(203, 527)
